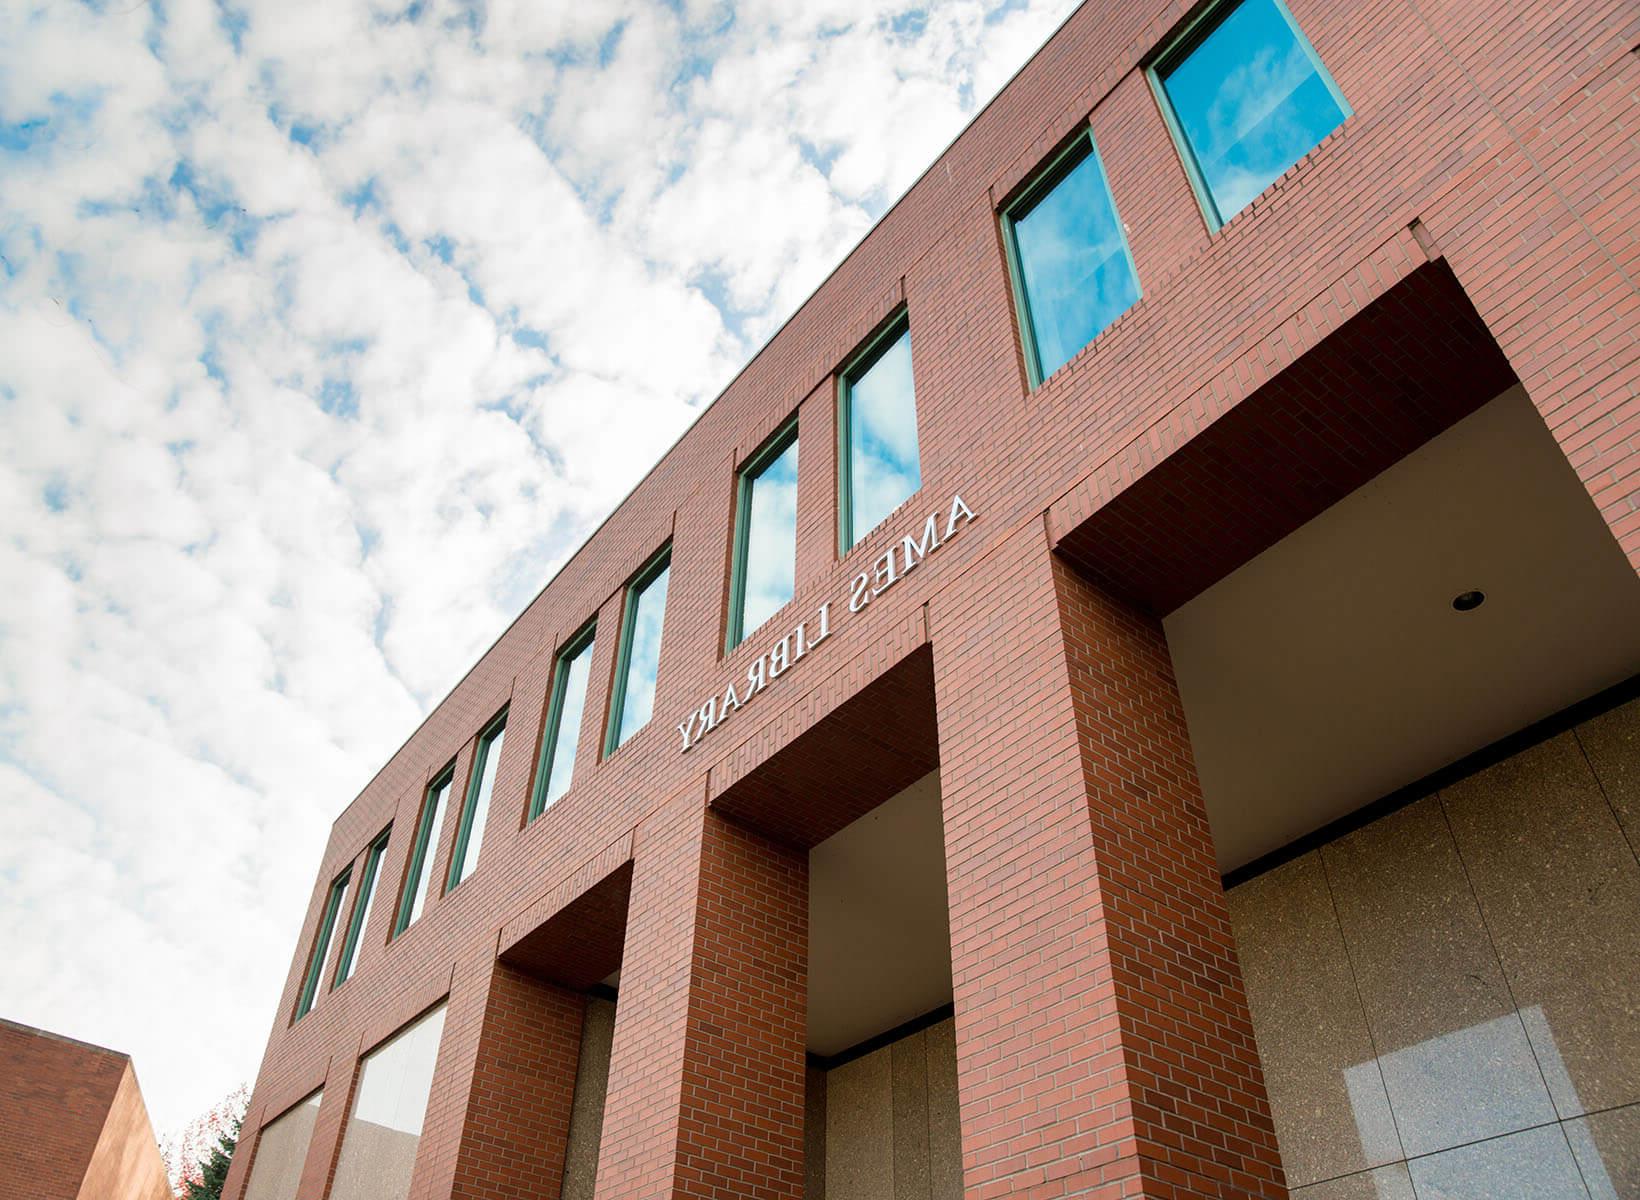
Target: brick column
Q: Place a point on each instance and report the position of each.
(706, 1071)
(518, 1113)
(1104, 1047)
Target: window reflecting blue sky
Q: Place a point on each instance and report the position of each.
(1076, 271)
(1252, 100)
(771, 540)
(882, 431)
(479, 805)
(649, 613)
(575, 671)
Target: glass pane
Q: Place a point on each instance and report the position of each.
(361, 913)
(771, 541)
(882, 436)
(478, 803)
(281, 1151)
(421, 882)
(638, 694)
(1076, 271)
(1252, 100)
(567, 730)
(384, 1130)
(335, 904)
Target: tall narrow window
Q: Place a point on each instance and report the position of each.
(1246, 97)
(361, 910)
(569, 699)
(418, 881)
(640, 652)
(335, 901)
(383, 1131)
(765, 535)
(878, 427)
(1073, 272)
(475, 814)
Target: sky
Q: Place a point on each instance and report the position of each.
(329, 330)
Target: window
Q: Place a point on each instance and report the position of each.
(418, 882)
(361, 910)
(475, 814)
(281, 1151)
(765, 535)
(1246, 97)
(569, 700)
(640, 651)
(1072, 270)
(877, 428)
(389, 1109)
(334, 903)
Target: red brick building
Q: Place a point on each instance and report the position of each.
(1169, 732)
(72, 1122)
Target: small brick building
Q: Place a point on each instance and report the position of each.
(1170, 732)
(72, 1122)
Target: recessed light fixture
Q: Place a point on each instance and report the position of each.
(1468, 601)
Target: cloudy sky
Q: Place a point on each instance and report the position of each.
(328, 329)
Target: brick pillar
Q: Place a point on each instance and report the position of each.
(517, 1123)
(1104, 1047)
(706, 1076)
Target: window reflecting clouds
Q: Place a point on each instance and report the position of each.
(883, 469)
(563, 723)
(1251, 99)
(770, 554)
(637, 695)
(1075, 270)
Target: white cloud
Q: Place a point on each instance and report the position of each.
(331, 327)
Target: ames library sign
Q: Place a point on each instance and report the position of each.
(894, 563)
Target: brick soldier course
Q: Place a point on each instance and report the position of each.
(1472, 223)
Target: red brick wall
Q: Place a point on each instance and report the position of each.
(126, 1165)
(518, 1113)
(1500, 147)
(56, 1096)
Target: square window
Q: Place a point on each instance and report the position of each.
(877, 426)
(765, 573)
(1246, 97)
(638, 659)
(1072, 269)
(569, 700)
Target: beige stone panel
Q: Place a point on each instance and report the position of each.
(1560, 891)
(944, 1117)
(1331, 1112)
(860, 1128)
(280, 1152)
(1453, 1054)
(376, 1162)
(1612, 742)
(1534, 1165)
(1382, 1183)
(586, 1121)
(1607, 1148)
(910, 1066)
(814, 1134)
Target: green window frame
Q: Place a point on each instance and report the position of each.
(334, 901)
(868, 356)
(636, 591)
(360, 916)
(783, 439)
(1050, 175)
(542, 795)
(435, 803)
(1180, 47)
(475, 813)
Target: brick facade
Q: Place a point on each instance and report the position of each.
(73, 1125)
(1474, 220)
